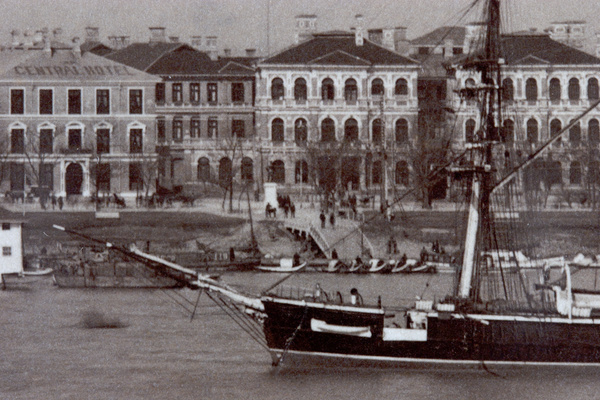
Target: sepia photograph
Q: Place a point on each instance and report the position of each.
(311, 199)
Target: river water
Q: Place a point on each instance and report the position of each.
(48, 351)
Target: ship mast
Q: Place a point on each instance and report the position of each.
(478, 225)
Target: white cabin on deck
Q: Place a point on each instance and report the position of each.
(11, 243)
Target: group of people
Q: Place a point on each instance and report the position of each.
(323, 219)
(287, 205)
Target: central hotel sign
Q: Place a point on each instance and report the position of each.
(73, 70)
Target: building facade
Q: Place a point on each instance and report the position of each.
(75, 123)
(546, 85)
(336, 109)
(205, 111)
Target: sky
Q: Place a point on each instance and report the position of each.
(242, 24)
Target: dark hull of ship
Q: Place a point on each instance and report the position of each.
(450, 340)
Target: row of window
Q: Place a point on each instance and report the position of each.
(351, 131)
(532, 131)
(101, 173)
(238, 129)
(328, 89)
(276, 171)
(551, 173)
(74, 101)
(238, 93)
(43, 142)
(554, 89)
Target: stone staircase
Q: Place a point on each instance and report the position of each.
(346, 238)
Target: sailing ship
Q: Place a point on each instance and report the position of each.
(496, 316)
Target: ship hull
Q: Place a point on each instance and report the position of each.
(442, 339)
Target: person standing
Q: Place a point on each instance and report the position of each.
(332, 220)
(60, 203)
(323, 219)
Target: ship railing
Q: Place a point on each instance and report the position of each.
(317, 295)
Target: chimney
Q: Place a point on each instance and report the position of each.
(76, 49)
(227, 52)
(38, 37)
(250, 52)
(15, 38)
(306, 25)
(118, 42)
(27, 39)
(196, 42)
(57, 33)
(92, 34)
(158, 34)
(374, 35)
(448, 48)
(401, 44)
(388, 39)
(211, 47)
(47, 46)
(359, 33)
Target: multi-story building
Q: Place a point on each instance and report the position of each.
(204, 106)
(546, 84)
(336, 108)
(75, 123)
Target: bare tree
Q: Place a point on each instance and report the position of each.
(38, 149)
(430, 151)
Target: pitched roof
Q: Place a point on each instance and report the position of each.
(143, 55)
(337, 48)
(182, 60)
(437, 36)
(65, 65)
(540, 49)
(96, 47)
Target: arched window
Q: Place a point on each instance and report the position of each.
(327, 90)
(277, 89)
(555, 127)
(328, 130)
(203, 170)
(592, 89)
(508, 90)
(377, 88)
(351, 130)
(301, 172)
(508, 131)
(277, 130)
(532, 130)
(470, 130)
(554, 90)
(575, 134)
(575, 173)
(278, 171)
(378, 135)
(531, 90)
(300, 91)
(247, 169)
(377, 172)
(350, 90)
(225, 172)
(401, 131)
(574, 90)
(402, 173)
(401, 88)
(300, 130)
(594, 132)
(594, 172)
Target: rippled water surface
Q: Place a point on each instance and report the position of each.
(49, 351)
